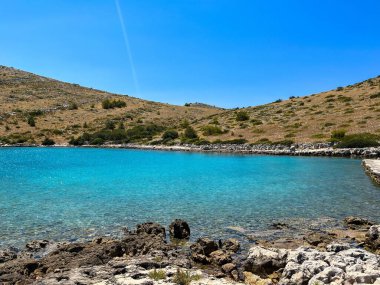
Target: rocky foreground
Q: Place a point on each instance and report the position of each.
(145, 256)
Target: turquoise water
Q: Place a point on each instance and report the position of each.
(70, 193)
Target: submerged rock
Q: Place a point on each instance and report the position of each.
(179, 229)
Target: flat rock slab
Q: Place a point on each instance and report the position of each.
(372, 167)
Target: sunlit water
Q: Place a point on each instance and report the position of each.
(71, 193)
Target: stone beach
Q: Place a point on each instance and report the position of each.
(146, 256)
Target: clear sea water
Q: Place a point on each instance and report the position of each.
(71, 193)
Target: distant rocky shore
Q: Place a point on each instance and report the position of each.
(298, 149)
(150, 256)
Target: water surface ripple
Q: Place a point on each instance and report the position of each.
(71, 193)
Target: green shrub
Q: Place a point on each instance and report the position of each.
(31, 121)
(210, 130)
(97, 141)
(338, 134)
(373, 96)
(111, 104)
(157, 274)
(109, 125)
(284, 142)
(359, 141)
(73, 106)
(170, 135)
(256, 122)
(48, 141)
(190, 133)
(278, 101)
(184, 277)
(242, 116)
(234, 141)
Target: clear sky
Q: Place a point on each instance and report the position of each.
(227, 53)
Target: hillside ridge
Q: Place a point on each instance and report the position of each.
(33, 108)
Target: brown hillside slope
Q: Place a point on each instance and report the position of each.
(62, 110)
(355, 108)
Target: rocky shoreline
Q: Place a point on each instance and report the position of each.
(372, 168)
(299, 149)
(149, 256)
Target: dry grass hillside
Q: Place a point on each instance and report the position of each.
(62, 110)
(33, 108)
(355, 109)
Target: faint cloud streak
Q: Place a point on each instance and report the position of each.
(126, 41)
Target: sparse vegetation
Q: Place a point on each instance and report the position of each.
(242, 116)
(359, 141)
(184, 277)
(111, 104)
(157, 274)
(48, 141)
(211, 130)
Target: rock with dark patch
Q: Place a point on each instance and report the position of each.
(373, 238)
(151, 229)
(201, 250)
(220, 257)
(147, 237)
(179, 229)
(7, 254)
(357, 222)
(279, 226)
(264, 261)
(319, 239)
(36, 245)
(231, 244)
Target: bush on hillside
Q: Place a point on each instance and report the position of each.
(211, 130)
(359, 141)
(31, 121)
(242, 116)
(48, 141)
(111, 104)
(170, 135)
(118, 135)
(190, 133)
(338, 134)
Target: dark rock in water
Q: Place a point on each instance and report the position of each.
(8, 254)
(147, 237)
(357, 222)
(36, 245)
(279, 226)
(319, 238)
(373, 238)
(231, 244)
(151, 229)
(179, 229)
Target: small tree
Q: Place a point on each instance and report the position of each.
(31, 121)
(338, 134)
(170, 135)
(190, 133)
(121, 126)
(48, 141)
(242, 116)
(110, 125)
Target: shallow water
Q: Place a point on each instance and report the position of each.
(71, 193)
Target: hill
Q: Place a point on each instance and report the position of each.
(62, 110)
(35, 108)
(354, 109)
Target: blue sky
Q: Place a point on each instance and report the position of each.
(226, 53)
